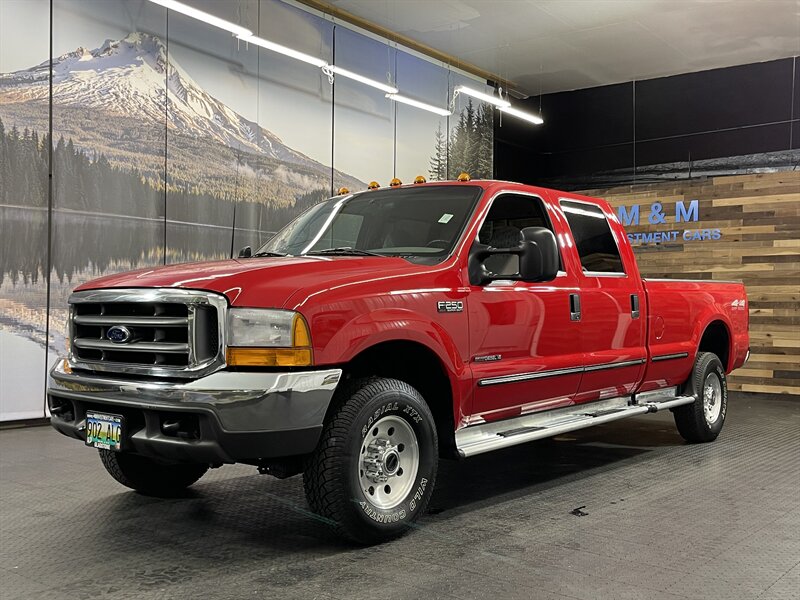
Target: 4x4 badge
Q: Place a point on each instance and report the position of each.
(448, 306)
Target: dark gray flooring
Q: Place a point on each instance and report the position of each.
(665, 520)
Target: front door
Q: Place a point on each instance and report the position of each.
(525, 348)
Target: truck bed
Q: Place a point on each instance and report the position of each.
(678, 312)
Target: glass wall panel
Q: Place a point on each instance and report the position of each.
(212, 135)
(421, 143)
(364, 119)
(109, 69)
(471, 131)
(295, 114)
(24, 58)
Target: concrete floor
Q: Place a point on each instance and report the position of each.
(664, 520)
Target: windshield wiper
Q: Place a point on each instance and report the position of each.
(345, 251)
(269, 254)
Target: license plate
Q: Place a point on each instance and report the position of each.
(103, 430)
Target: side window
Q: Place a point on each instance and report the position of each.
(509, 215)
(590, 229)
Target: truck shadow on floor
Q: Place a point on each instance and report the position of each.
(274, 513)
(537, 466)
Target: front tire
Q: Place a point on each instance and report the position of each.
(374, 468)
(150, 477)
(702, 420)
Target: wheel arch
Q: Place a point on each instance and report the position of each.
(421, 367)
(716, 337)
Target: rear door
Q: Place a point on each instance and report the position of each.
(612, 303)
(525, 349)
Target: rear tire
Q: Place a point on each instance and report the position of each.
(374, 468)
(702, 420)
(150, 477)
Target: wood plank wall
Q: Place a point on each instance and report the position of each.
(758, 217)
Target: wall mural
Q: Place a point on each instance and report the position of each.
(172, 141)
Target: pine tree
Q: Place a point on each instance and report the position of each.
(438, 163)
(15, 167)
(5, 167)
(457, 147)
(485, 131)
(472, 146)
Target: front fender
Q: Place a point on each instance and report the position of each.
(397, 324)
(392, 324)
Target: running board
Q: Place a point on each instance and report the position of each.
(485, 437)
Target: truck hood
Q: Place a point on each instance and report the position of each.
(262, 282)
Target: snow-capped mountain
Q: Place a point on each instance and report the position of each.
(127, 77)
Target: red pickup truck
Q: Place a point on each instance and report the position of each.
(383, 329)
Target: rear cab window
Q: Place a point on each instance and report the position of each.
(597, 249)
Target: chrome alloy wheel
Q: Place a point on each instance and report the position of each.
(712, 398)
(389, 462)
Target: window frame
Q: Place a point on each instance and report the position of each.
(623, 273)
(562, 265)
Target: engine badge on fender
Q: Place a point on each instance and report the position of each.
(450, 306)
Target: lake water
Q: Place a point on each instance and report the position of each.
(101, 244)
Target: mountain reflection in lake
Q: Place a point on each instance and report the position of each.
(86, 246)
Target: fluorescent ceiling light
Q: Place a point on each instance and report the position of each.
(389, 89)
(296, 54)
(416, 103)
(496, 100)
(535, 119)
(204, 16)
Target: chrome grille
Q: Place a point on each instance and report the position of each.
(159, 331)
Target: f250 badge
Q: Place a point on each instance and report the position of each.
(450, 306)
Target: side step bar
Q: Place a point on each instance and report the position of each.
(485, 437)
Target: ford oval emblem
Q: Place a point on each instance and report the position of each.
(119, 334)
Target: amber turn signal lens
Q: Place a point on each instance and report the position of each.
(268, 357)
(300, 335)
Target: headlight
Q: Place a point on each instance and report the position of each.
(260, 337)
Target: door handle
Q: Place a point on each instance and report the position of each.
(635, 306)
(574, 307)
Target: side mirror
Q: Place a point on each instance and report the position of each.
(539, 258)
(246, 252)
(537, 252)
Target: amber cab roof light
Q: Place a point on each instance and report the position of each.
(420, 179)
(342, 190)
(395, 182)
(463, 176)
(373, 185)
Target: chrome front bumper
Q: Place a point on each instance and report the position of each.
(223, 417)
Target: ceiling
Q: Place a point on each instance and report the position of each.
(557, 45)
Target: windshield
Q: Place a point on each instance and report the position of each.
(423, 222)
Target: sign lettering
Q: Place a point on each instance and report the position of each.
(658, 215)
